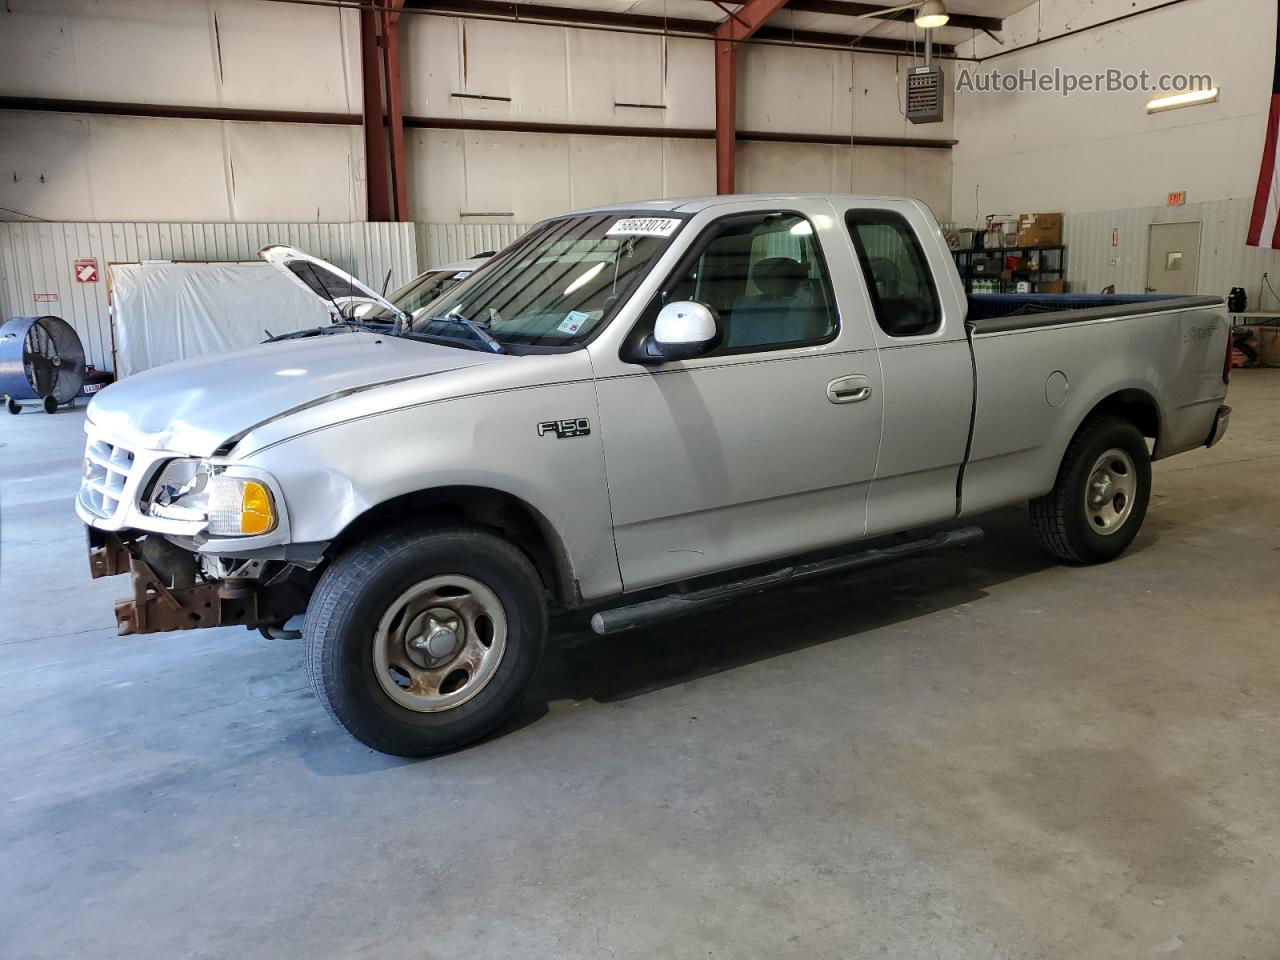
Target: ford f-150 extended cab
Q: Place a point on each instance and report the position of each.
(640, 410)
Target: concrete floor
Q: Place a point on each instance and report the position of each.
(974, 755)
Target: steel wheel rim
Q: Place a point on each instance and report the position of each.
(439, 643)
(1110, 492)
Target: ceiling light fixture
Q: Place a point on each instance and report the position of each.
(1177, 101)
(931, 14)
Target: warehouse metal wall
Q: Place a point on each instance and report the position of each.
(1225, 260)
(442, 243)
(37, 259)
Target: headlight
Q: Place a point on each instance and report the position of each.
(195, 490)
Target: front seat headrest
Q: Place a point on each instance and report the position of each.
(779, 276)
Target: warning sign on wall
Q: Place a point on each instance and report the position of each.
(86, 269)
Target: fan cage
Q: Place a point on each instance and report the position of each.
(40, 357)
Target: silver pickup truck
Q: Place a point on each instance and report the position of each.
(639, 411)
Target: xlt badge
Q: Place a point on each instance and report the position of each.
(564, 429)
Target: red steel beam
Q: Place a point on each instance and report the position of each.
(113, 108)
(750, 17)
(377, 181)
(395, 110)
(726, 53)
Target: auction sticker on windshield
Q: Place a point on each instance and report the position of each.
(644, 227)
(573, 321)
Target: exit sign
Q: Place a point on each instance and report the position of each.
(1178, 199)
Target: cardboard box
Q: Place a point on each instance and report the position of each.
(1051, 286)
(1040, 230)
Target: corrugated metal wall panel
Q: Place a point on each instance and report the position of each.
(443, 243)
(1226, 261)
(36, 258)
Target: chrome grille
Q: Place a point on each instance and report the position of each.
(106, 472)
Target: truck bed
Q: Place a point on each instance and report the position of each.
(999, 312)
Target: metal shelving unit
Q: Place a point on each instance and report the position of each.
(1051, 266)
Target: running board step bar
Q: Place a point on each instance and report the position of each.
(678, 604)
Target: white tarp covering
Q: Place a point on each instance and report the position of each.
(163, 312)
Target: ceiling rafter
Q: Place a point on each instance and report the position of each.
(647, 23)
(846, 8)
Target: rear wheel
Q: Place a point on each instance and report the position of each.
(422, 642)
(13, 406)
(1098, 504)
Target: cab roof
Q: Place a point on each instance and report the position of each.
(698, 204)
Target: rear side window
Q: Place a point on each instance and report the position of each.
(898, 277)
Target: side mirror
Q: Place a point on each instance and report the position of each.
(684, 329)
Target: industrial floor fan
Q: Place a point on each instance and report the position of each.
(41, 363)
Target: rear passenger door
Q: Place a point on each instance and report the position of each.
(743, 455)
(925, 361)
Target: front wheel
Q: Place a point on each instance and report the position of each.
(1100, 499)
(422, 642)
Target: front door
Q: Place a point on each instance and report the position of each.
(1173, 260)
(756, 450)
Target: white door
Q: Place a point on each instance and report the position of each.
(754, 451)
(1173, 259)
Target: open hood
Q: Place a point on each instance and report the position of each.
(331, 284)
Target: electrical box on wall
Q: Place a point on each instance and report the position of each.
(924, 94)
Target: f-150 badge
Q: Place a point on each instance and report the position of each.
(565, 429)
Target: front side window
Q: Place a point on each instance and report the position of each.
(898, 276)
(766, 278)
(554, 287)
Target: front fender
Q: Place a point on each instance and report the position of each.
(333, 475)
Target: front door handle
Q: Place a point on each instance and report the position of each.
(849, 390)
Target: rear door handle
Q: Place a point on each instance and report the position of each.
(849, 389)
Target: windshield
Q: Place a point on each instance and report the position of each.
(552, 288)
(418, 292)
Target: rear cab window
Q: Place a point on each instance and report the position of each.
(899, 282)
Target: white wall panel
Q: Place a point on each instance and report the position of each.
(793, 90)
(247, 53)
(1041, 151)
(37, 258)
(293, 171)
(234, 53)
(72, 167)
(554, 74)
(441, 243)
(1225, 260)
(462, 175)
(791, 168)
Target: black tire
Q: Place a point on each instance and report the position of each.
(1060, 517)
(50, 405)
(360, 587)
(13, 406)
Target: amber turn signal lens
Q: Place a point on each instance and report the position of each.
(257, 512)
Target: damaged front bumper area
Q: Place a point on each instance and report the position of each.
(170, 594)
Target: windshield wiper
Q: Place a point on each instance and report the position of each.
(477, 328)
(338, 326)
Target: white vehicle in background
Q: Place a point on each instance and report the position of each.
(355, 306)
(426, 287)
